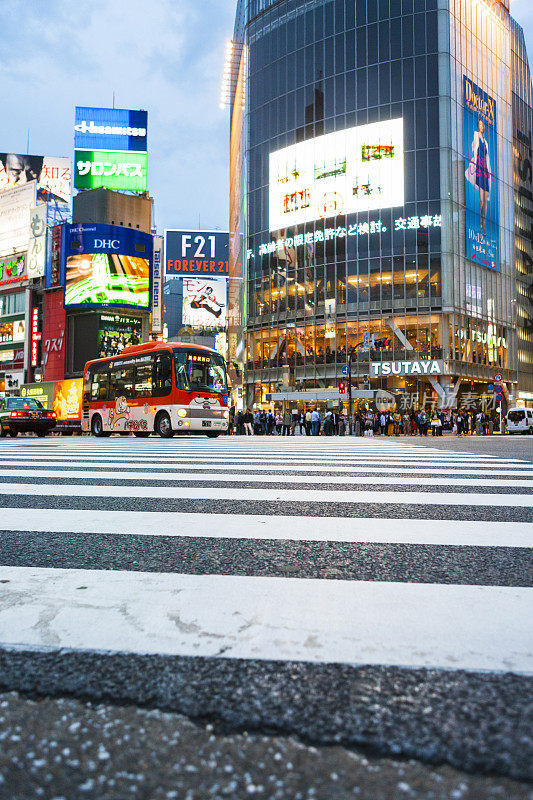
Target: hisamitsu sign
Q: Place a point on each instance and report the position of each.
(381, 369)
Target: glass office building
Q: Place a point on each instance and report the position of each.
(381, 198)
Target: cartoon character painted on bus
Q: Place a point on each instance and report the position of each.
(120, 411)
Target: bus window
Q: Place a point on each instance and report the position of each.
(162, 383)
(182, 381)
(200, 371)
(143, 380)
(121, 381)
(98, 386)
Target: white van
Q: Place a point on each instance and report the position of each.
(520, 420)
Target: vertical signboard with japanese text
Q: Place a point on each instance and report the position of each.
(157, 286)
(37, 242)
(481, 176)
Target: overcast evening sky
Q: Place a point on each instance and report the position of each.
(165, 56)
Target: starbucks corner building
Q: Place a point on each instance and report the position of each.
(382, 197)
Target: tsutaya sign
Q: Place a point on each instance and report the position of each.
(379, 369)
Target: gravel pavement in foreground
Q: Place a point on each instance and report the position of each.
(76, 750)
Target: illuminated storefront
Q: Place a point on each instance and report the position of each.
(377, 204)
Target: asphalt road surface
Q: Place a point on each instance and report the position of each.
(264, 617)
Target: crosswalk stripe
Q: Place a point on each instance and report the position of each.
(257, 527)
(400, 596)
(185, 475)
(287, 619)
(269, 495)
(66, 464)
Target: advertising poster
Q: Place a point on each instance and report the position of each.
(481, 176)
(110, 129)
(43, 392)
(196, 253)
(15, 206)
(358, 169)
(116, 332)
(114, 170)
(12, 270)
(107, 265)
(52, 175)
(37, 242)
(67, 399)
(204, 303)
(13, 331)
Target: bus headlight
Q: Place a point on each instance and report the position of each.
(182, 412)
(226, 414)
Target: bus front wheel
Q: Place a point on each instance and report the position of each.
(97, 429)
(213, 435)
(163, 426)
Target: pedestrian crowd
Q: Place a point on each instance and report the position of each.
(365, 423)
(288, 423)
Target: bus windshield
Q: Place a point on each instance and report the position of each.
(199, 371)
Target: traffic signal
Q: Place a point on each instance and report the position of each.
(472, 386)
(342, 387)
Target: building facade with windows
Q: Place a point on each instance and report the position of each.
(381, 198)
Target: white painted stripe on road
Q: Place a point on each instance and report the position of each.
(290, 619)
(261, 528)
(155, 493)
(225, 477)
(261, 466)
(275, 462)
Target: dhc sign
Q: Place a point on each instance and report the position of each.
(381, 369)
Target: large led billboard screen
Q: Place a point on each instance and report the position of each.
(358, 169)
(481, 176)
(106, 265)
(114, 170)
(110, 129)
(52, 175)
(204, 303)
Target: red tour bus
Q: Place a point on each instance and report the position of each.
(156, 387)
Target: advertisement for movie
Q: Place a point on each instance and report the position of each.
(116, 332)
(358, 169)
(110, 129)
(481, 176)
(52, 175)
(107, 265)
(204, 303)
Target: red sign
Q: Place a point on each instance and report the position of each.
(55, 269)
(54, 348)
(34, 335)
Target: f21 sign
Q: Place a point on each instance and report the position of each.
(203, 253)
